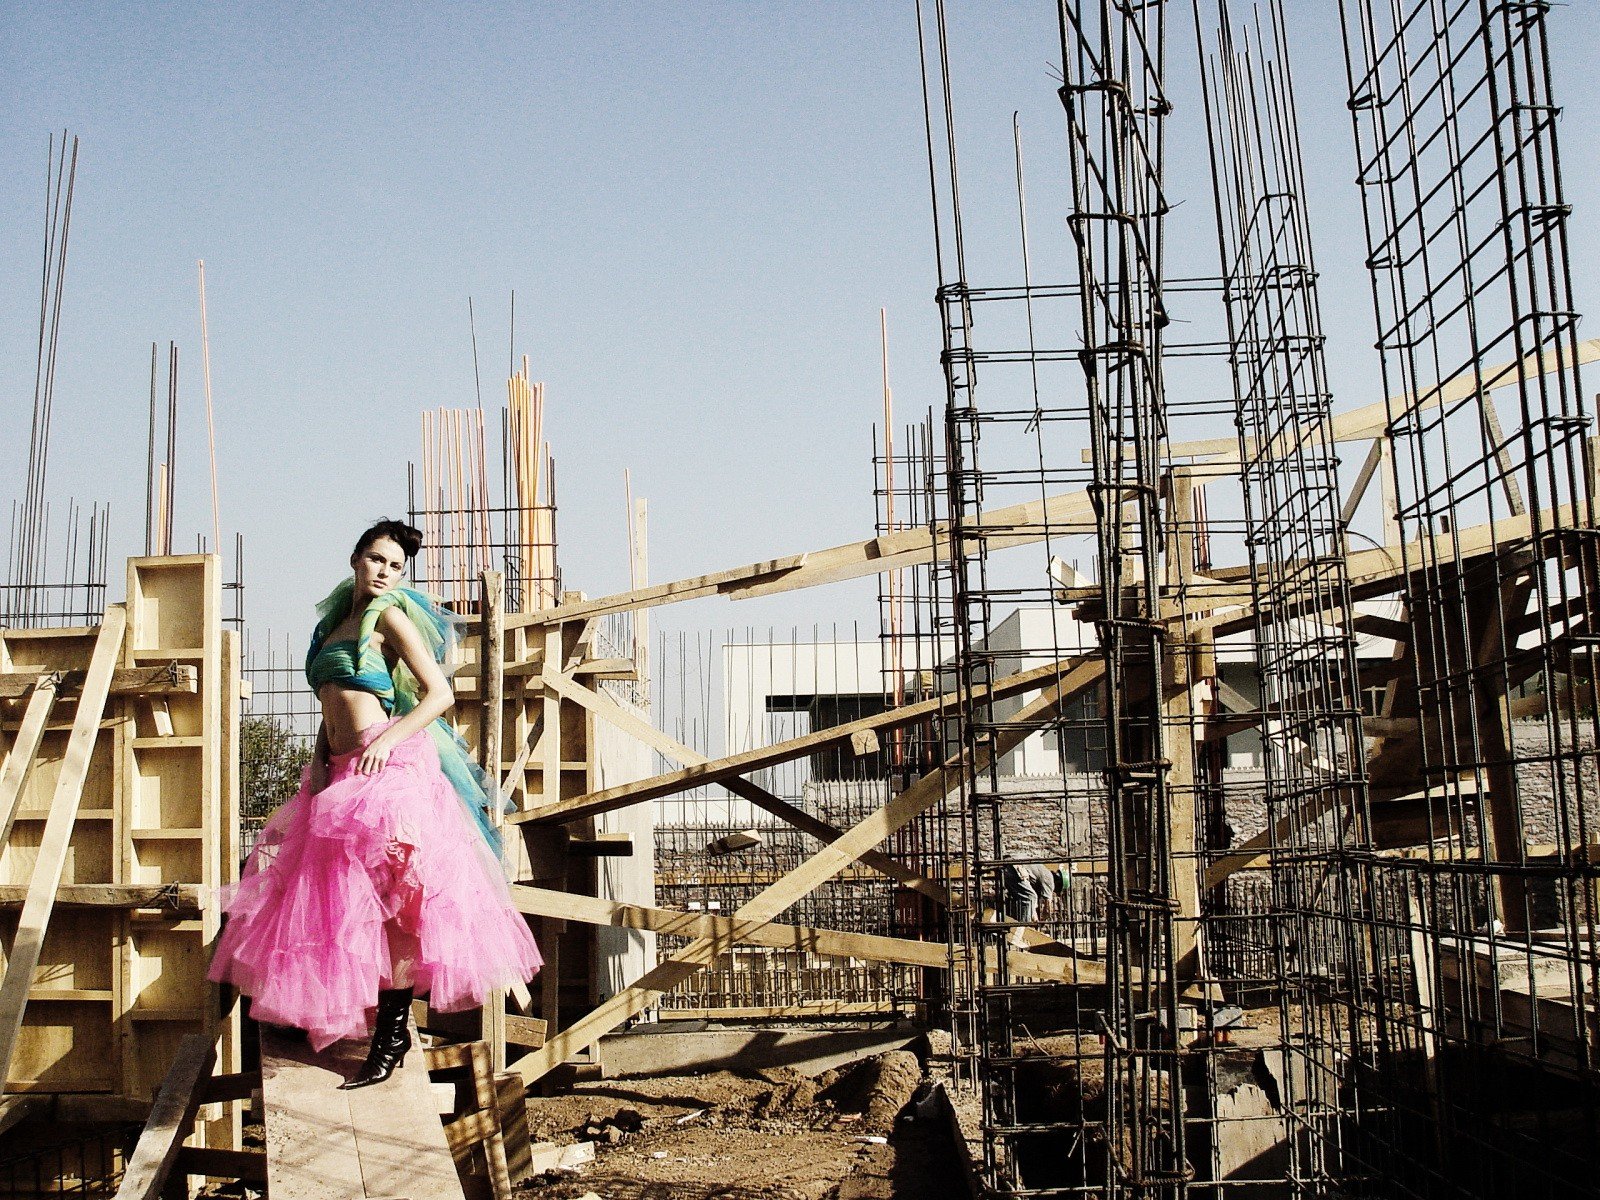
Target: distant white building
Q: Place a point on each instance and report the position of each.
(774, 690)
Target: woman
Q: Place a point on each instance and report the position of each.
(382, 876)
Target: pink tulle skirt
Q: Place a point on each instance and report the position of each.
(376, 881)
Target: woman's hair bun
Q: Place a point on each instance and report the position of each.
(407, 537)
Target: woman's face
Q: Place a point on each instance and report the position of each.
(379, 567)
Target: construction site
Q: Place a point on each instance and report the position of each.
(1203, 810)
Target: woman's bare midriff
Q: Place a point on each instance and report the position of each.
(345, 713)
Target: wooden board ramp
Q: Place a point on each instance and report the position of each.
(394, 1141)
(322, 1143)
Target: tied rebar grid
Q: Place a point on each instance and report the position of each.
(29, 599)
(464, 534)
(909, 477)
(461, 548)
(1301, 624)
(1078, 1083)
(70, 1163)
(1115, 102)
(278, 731)
(1491, 1066)
(731, 691)
(693, 875)
(962, 616)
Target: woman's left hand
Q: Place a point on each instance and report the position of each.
(374, 755)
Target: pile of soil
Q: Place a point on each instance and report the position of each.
(855, 1133)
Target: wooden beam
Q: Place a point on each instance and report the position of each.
(608, 668)
(608, 709)
(638, 576)
(581, 641)
(1181, 715)
(508, 787)
(1391, 727)
(491, 674)
(550, 774)
(492, 687)
(1374, 625)
(24, 749)
(1254, 852)
(15, 1109)
(178, 898)
(1398, 761)
(524, 1031)
(669, 748)
(803, 1010)
(247, 1166)
(661, 593)
(1493, 743)
(240, 1085)
(1372, 420)
(1383, 569)
(169, 679)
(600, 845)
(171, 1119)
(802, 880)
(589, 910)
(1454, 852)
(1358, 489)
(1018, 525)
(477, 1127)
(594, 668)
(51, 857)
(753, 760)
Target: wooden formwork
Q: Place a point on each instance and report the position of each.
(139, 786)
(546, 749)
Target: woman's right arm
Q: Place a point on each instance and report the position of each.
(319, 761)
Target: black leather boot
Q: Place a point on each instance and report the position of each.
(391, 1038)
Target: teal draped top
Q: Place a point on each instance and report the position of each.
(336, 662)
(357, 663)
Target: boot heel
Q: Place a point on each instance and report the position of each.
(391, 1038)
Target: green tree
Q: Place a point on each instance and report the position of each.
(271, 758)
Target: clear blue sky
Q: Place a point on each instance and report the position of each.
(700, 206)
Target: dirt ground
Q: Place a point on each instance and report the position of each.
(864, 1132)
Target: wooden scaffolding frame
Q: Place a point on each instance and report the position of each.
(543, 650)
(119, 815)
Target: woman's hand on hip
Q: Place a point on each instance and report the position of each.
(375, 755)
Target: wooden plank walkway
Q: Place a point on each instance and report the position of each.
(325, 1144)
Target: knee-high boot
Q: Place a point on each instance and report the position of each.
(391, 1038)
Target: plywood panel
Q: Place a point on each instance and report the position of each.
(66, 1041)
(181, 824)
(152, 1048)
(166, 860)
(99, 785)
(56, 649)
(77, 950)
(167, 789)
(168, 970)
(179, 713)
(90, 854)
(171, 609)
(65, 1046)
